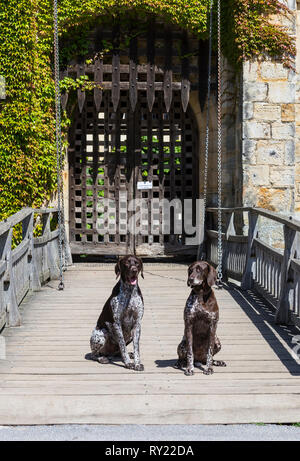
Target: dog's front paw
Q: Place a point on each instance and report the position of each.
(219, 363)
(130, 365)
(208, 371)
(139, 367)
(189, 372)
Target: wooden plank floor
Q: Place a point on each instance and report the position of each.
(46, 378)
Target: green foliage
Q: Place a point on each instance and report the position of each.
(83, 83)
(27, 160)
(27, 125)
(250, 31)
(247, 27)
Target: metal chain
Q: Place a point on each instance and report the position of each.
(59, 159)
(205, 174)
(63, 212)
(220, 242)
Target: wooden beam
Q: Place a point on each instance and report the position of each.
(247, 280)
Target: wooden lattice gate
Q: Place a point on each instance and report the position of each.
(133, 138)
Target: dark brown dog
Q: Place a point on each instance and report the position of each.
(120, 320)
(201, 315)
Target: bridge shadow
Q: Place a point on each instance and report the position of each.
(262, 316)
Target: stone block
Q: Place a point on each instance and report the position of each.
(288, 112)
(290, 152)
(256, 130)
(283, 130)
(249, 196)
(297, 171)
(293, 77)
(297, 152)
(255, 92)
(249, 151)
(292, 4)
(282, 176)
(297, 210)
(270, 152)
(266, 112)
(250, 71)
(280, 199)
(276, 199)
(282, 92)
(297, 114)
(273, 71)
(248, 110)
(288, 22)
(259, 175)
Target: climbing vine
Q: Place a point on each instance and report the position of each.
(27, 147)
(252, 30)
(27, 160)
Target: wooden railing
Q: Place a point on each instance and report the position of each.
(30, 263)
(273, 273)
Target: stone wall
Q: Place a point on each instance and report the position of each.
(231, 140)
(269, 129)
(268, 136)
(297, 117)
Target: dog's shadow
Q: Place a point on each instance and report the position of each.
(112, 360)
(166, 363)
(172, 364)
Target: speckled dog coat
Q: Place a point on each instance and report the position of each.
(118, 325)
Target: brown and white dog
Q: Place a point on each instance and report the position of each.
(120, 320)
(201, 314)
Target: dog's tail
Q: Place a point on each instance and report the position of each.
(91, 356)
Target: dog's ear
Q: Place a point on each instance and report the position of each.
(188, 271)
(118, 268)
(142, 268)
(212, 275)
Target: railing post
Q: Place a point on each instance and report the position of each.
(10, 298)
(204, 249)
(230, 230)
(34, 280)
(51, 259)
(69, 260)
(247, 279)
(45, 231)
(290, 252)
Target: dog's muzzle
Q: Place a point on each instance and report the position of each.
(194, 283)
(133, 277)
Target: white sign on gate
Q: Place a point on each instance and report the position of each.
(144, 185)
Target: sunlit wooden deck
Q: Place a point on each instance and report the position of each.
(46, 379)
